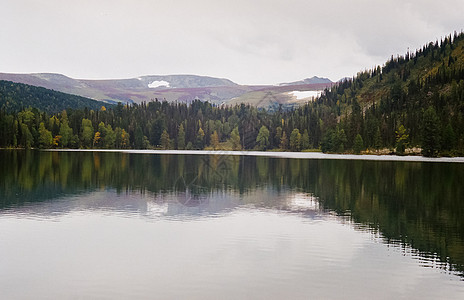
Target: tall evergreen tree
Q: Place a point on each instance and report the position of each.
(181, 137)
(262, 139)
(358, 144)
(295, 140)
(430, 133)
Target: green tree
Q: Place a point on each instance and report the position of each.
(181, 137)
(358, 144)
(284, 141)
(295, 140)
(327, 143)
(87, 134)
(139, 138)
(278, 136)
(200, 139)
(341, 140)
(430, 133)
(26, 116)
(215, 140)
(26, 137)
(165, 141)
(449, 138)
(102, 134)
(234, 140)
(110, 137)
(118, 138)
(305, 140)
(377, 139)
(66, 132)
(45, 137)
(263, 138)
(15, 133)
(401, 140)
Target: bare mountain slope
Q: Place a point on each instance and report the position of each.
(173, 88)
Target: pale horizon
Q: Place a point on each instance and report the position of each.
(259, 42)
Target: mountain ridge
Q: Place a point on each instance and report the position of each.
(183, 88)
(312, 80)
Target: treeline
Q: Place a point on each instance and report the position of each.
(199, 125)
(413, 101)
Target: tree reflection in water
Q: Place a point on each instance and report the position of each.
(409, 203)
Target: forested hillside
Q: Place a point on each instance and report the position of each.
(17, 96)
(416, 100)
(413, 100)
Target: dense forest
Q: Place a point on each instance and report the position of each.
(412, 101)
(17, 96)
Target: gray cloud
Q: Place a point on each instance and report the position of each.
(246, 41)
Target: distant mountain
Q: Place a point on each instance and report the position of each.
(184, 81)
(139, 89)
(16, 96)
(183, 88)
(312, 80)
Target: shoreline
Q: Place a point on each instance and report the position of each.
(298, 155)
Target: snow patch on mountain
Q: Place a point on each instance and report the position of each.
(158, 83)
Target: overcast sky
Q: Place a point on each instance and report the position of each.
(249, 42)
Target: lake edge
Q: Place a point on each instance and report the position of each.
(297, 155)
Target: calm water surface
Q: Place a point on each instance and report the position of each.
(116, 226)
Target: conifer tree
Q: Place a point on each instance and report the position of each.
(358, 144)
(263, 138)
(181, 137)
(430, 133)
(165, 141)
(295, 140)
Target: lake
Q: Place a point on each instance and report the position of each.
(115, 225)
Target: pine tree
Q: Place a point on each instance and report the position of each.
(139, 138)
(449, 138)
(235, 139)
(358, 144)
(263, 138)
(283, 141)
(377, 139)
(401, 140)
(200, 139)
(430, 133)
(165, 141)
(181, 137)
(295, 140)
(305, 140)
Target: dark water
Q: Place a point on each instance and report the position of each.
(118, 225)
